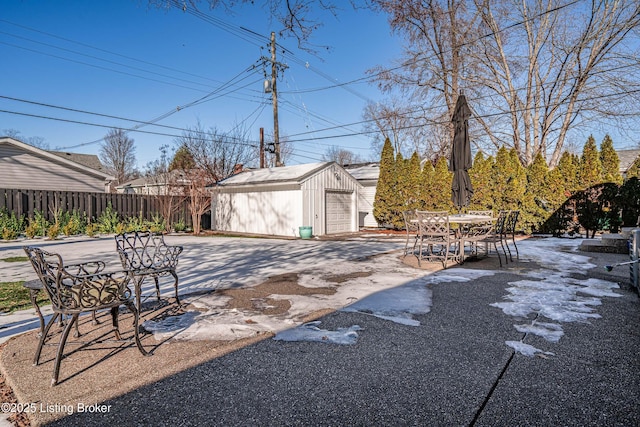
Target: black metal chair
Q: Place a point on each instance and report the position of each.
(76, 289)
(146, 254)
(497, 235)
(510, 232)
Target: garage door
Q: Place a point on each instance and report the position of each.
(338, 212)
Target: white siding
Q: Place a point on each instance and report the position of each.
(367, 196)
(333, 178)
(23, 170)
(277, 213)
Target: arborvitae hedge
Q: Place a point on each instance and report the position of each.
(481, 175)
(384, 201)
(549, 200)
(610, 162)
(590, 171)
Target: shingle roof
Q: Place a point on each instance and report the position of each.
(175, 176)
(295, 173)
(89, 160)
(627, 157)
(364, 171)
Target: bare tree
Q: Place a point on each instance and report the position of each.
(340, 156)
(576, 68)
(170, 187)
(117, 154)
(424, 88)
(534, 70)
(218, 153)
(408, 130)
(36, 141)
(297, 18)
(199, 197)
(194, 182)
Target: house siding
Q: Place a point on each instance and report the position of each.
(23, 170)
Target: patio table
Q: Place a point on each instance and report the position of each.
(466, 219)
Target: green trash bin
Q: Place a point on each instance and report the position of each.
(305, 232)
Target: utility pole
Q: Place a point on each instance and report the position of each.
(274, 97)
(271, 86)
(261, 148)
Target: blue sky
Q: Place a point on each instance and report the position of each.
(125, 59)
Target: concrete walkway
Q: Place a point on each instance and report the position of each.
(453, 369)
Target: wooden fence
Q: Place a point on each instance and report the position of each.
(26, 202)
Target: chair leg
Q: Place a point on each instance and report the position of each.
(495, 245)
(114, 321)
(63, 341)
(175, 285)
(138, 285)
(136, 333)
(43, 337)
(502, 245)
(446, 257)
(515, 246)
(406, 247)
(33, 296)
(506, 243)
(155, 279)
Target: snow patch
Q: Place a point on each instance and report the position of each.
(526, 349)
(311, 332)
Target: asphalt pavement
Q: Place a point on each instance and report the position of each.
(452, 370)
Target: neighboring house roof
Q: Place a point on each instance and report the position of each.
(297, 173)
(175, 177)
(627, 157)
(364, 171)
(89, 160)
(63, 158)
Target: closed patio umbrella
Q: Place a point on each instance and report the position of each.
(460, 161)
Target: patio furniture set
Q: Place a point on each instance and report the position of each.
(439, 236)
(87, 287)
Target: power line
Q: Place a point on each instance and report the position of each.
(99, 59)
(205, 98)
(38, 116)
(108, 51)
(520, 110)
(249, 36)
(84, 112)
(99, 67)
(239, 141)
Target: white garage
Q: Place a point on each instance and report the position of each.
(277, 201)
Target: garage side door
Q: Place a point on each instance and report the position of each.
(338, 212)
